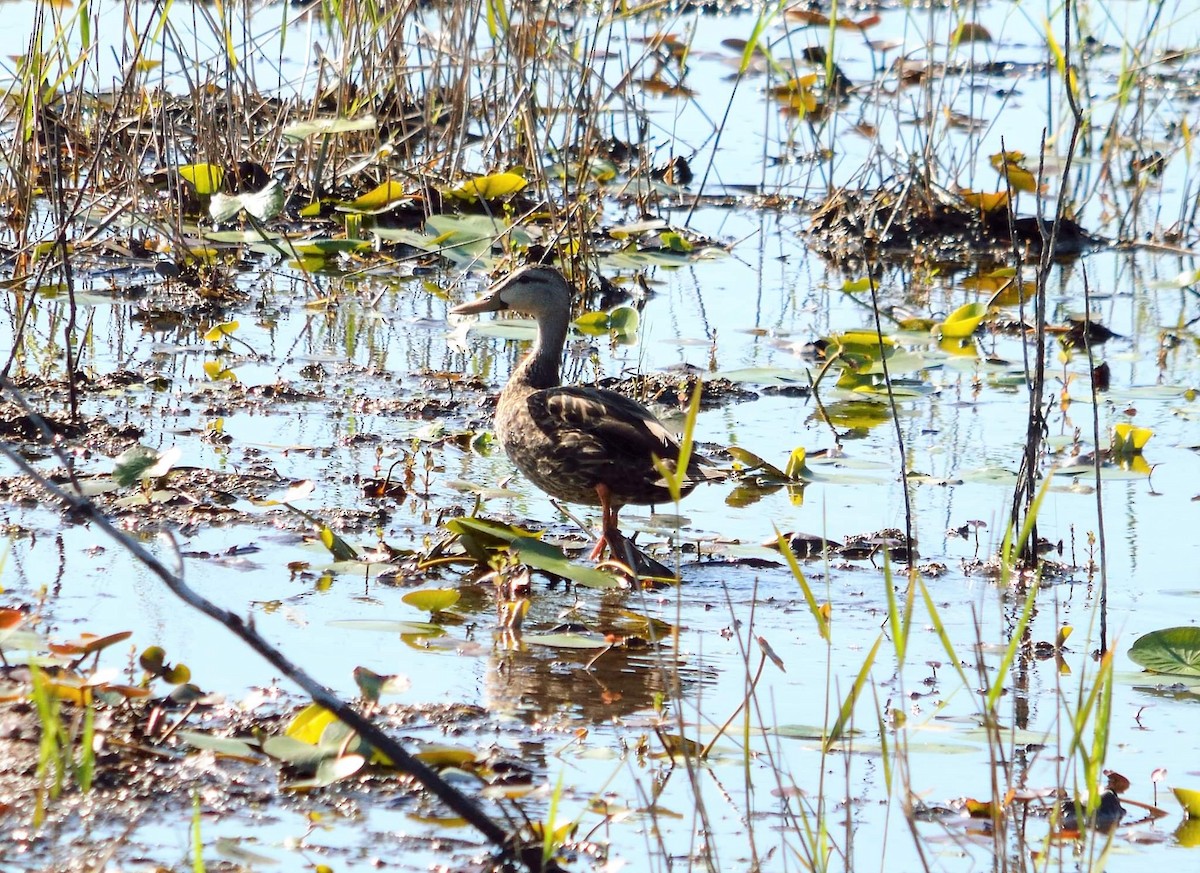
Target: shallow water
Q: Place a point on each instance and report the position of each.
(754, 309)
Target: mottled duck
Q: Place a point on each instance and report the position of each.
(577, 443)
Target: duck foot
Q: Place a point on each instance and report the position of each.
(643, 566)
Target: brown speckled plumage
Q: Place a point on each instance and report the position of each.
(579, 444)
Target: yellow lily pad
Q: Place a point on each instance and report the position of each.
(225, 328)
(963, 321)
(207, 179)
(490, 187)
(432, 599)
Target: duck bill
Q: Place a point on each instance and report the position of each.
(489, 302)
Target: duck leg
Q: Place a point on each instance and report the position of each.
(609, 532)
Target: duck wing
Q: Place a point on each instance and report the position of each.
(611, 437)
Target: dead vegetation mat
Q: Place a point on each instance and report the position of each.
(910, 215)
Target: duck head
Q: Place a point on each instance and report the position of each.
(533, 290)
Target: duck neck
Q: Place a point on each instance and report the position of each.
(541, 368)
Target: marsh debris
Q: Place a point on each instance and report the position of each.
(912, 215)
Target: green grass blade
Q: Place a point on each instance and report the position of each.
(847, 709)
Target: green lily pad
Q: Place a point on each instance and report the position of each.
(1175, 651)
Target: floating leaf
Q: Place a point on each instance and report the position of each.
(550, 559)
(1128, 440)
(88, 644)
(380, 196)
(332, 770)
(140, 462)
(1175, 651)
(263, 205)
(373, 685)
(440, 756)
(1189, 799)
(569, 640)
(325, 246)
(409, 628)
(859, 415)
(754, 463)
(432, 599)
(462, 239)
(153, 661)
(490, 187)
(675, 241)
(857, 286)
(984, 201)
(296, 753)
(298, 491)
(773, 376)
(217, 372)
(1011, 165)
(230, 747)
(963, 321)
(338, 547)
(622, 320)
(862, 347)
(217, 331)
(309, 723)
(624, 231)
(491, 532)
(329, 125)
(796, 467)
(206, 179)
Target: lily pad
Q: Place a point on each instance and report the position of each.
(390, 627)
(432, 599)
(1174, 651)
(1189, 800)
(329, 125)
(491, 187)
(207, 179)
(569, 640)
(772, 376)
